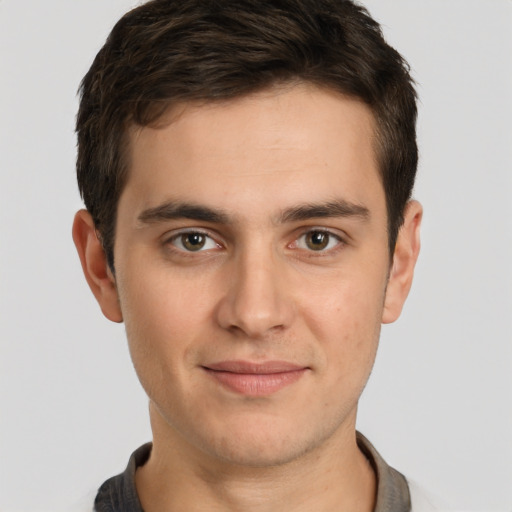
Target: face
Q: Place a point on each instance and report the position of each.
(251, 271)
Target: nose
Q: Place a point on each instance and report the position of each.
(257, 301)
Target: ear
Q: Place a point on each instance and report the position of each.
(404, 260)
(95, 266)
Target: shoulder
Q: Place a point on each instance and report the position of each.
(119, 493)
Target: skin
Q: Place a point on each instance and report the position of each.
(263, 287)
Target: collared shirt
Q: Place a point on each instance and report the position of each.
(119, 494)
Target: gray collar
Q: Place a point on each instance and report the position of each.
(392, 489)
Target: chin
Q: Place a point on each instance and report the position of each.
(256, 455)
(263, 446)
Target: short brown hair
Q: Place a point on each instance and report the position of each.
(168, 51)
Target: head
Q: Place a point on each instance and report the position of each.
(246, 168)
(168, 52)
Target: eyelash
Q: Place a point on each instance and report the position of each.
(340, 242)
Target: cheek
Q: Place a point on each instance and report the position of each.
(345, 303)
(162, 303)
(346, 320)
(162, 316)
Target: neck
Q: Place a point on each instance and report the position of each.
(179, 477)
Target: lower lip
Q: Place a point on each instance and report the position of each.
(256, 384)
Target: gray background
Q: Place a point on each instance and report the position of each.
(439, 403)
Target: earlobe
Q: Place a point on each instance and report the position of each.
(404, 260)
(95, 267)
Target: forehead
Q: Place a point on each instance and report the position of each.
(268, 149)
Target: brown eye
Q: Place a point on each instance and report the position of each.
(317, 240)
(193, 241)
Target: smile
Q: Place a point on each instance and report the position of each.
(255, 379)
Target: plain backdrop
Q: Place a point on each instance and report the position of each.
(439, 403)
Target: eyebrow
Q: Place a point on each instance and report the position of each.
(171, 210)
(336, 208)
(175, 210)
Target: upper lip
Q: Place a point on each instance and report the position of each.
(248, 367)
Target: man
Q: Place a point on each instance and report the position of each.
(247, 170)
